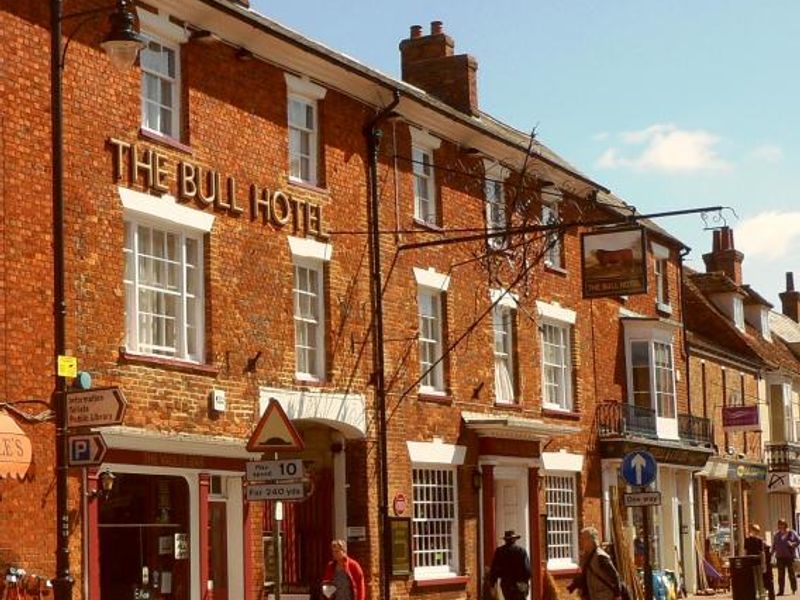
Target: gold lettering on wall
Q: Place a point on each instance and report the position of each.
(136, 165)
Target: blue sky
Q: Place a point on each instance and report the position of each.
(669, 104)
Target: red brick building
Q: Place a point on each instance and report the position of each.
(218, 201)
(744, 377)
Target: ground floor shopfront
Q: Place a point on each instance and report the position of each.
(177, 526)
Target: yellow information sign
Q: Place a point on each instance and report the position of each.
(67, 366)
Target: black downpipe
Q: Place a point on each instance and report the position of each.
(63, 581)
(374, 134)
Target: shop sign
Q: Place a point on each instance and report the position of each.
(614, 262)
(16, 451)
(137, 165)
(741, 418)
(747, 472)
(783, 482)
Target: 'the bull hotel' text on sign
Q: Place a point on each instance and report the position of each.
(135, 164)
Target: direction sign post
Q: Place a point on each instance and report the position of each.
(95, 408)
(86, 450)
(639, 469)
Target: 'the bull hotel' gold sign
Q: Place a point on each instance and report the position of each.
(135, 164)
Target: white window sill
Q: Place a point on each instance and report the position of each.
(424, 575)
(557, 408)
(663, 308)
(562, 565)
(429, 391)
(307, 378)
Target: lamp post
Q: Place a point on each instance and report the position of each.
(122, 45)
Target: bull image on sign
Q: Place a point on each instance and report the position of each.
(614, 263)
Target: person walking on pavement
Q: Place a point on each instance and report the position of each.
(754, 546)
(343, 578)
(599, 579)
(512, 566)
(784, 545)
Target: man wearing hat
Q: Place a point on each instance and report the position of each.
(512, 567)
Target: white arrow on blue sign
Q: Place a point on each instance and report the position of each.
(639, 468)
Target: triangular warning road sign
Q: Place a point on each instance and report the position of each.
(275, 432)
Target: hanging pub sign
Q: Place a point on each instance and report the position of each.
(740, 418)
(614, 262)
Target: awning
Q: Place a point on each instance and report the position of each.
(721, 468)
(513, 428)
(15, 448)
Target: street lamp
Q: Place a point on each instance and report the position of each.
(122, 45)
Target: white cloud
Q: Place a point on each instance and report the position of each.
(601, 136)
(767, 153)
(665, 147)
(772, 235)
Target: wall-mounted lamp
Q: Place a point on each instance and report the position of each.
(106, 479)
(123, 42)
(477, 479)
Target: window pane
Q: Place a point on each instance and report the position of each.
(433, 518)
(561, 501)
(307, 315)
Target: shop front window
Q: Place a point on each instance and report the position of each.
(144, 538)
(721, 525)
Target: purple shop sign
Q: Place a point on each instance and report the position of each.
(740, 418)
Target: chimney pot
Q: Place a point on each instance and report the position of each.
(789, 281)
(724, 256)
(416, 31)
(437, 27)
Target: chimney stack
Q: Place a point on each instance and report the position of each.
(428, 63)
(790, 299)
(724, 256)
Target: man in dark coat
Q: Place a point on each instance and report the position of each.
(512, 566)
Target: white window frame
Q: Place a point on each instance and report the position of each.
(738, 312)
(308, 94)
(134, 222)
(562, 320)
(433, 381)
(423, 146)
(437, 456)
(310, 255)
(553, 257)
(160, 30)
(571, 561)
(503, 318)
(660, 270)
(497, 216)
(651, 333)
(433, 286)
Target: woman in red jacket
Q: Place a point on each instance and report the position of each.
(343, 579)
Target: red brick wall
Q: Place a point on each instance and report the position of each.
(235, 122)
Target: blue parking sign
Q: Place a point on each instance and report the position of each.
(639, 468)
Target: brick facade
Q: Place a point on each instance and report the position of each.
(234, 123)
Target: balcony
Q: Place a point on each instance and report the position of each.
(620, 419)
(695, 430)
(783, 457)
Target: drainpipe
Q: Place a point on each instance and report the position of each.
(373, 135)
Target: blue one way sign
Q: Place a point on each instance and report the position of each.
(639, 468)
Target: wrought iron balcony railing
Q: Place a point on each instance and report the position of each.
(694, 429)
(783, 457)
(623, 419)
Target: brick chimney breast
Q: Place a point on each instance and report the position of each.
(429, 63)
(724, 256)
(790, 299)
